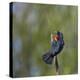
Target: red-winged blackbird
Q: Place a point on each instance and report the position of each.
(57, 44)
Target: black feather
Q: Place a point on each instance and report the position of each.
(48, 58)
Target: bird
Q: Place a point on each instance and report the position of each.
(57, 44)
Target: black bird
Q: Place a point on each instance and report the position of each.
(57, 44)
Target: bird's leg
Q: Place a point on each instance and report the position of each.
(57, 66)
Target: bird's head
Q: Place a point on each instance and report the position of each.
(54, 37)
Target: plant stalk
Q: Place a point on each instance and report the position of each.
(57, 66)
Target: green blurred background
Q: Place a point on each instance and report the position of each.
(32, 26)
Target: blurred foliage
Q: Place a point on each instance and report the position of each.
(32, 26)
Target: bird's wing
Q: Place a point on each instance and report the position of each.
(57, 46)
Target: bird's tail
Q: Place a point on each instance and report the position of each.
(48, 58)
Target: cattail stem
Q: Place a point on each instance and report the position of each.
(57, 66)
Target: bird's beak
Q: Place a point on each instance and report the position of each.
(55, 38)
